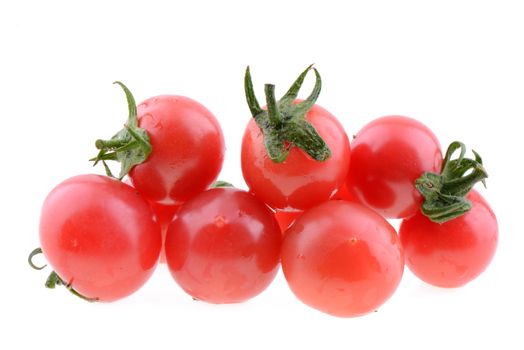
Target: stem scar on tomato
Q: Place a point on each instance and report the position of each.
(445, 193)
(283, 123)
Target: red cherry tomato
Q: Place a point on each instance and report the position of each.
(286, 218)
(299, 182)
(388, 155)
(342, 258)
(223, 246)
(99, 236)
(455, 252)
(188, 149)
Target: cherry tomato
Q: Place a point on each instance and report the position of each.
(388, 155)
(286, 218)
(223, 246)
(342, 258)
(187, 149)
(99, 236)
(452, 253)
(299, 182)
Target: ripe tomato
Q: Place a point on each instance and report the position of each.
(172, 152)
(295, 154)
(388, 155)
(99, 236)
(223, 246)
(299, 182)
(452, 253)
(342, 258)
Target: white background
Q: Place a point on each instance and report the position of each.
(455, 65)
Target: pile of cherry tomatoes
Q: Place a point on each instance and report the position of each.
(317, 206)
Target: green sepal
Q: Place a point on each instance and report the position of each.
(283, 124)
(130, 146)
(221, 184)
(445, 193)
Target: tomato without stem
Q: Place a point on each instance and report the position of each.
(99, 236)
(223, 246)
(299, 182)
(342, 258)
(388, 155)
(455, 252)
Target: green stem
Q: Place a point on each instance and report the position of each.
(221, 184)
(130, 146)
(252, 102)
(54, 279)
(30, 259)
(283, 123)
(445, 193)
(272, 108)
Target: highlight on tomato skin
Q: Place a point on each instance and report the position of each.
(223, 246)
(342, 258)
(453, 253)
(387, 156)
(99, 236)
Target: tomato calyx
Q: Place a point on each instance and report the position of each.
(130, 146)
(221, 184)
(54, 279)
(445, 193)
(283, 123)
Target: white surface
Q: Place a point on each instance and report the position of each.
(455, 65)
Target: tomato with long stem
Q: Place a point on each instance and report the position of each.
(454, 237)
(295, 154)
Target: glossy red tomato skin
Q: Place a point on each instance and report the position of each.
(455, 252)
(347, 194)
(99, 235)
(299, 182)
(342, 259)
(188, 149)
(286, 218)
(223, 246)
(388, 155)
